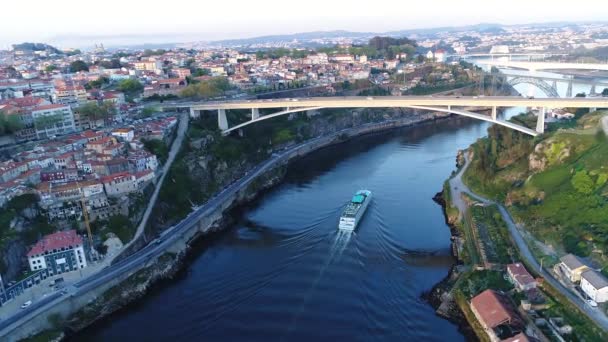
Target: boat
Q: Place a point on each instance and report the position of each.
(354, 210)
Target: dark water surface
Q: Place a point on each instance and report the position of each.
(285, 273)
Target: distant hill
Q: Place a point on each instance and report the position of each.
(31, 47)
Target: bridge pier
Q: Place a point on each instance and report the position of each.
(194, 114)
(592, 91)
(540, 121)
(222, 121)
(569, 90)
(554, 85)
(255, 113)
(494, 113)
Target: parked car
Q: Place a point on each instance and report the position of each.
(26, 304)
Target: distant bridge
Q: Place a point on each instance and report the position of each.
(548, 85)
(446, 104)
(534, 66)
(530, 55)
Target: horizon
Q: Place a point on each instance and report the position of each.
(67, 27)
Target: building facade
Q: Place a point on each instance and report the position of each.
(58, 253)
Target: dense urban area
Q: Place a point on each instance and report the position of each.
(87, 137)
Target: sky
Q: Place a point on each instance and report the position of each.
(63, 20)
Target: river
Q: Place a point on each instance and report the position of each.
(284, 272)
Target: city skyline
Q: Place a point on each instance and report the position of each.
(67, 26)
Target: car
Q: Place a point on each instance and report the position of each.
(592, 303)
(370, 98)
(26, 304)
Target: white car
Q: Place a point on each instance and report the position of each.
(26, 304)
(592, 303)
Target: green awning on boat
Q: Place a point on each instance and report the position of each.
(358, 199)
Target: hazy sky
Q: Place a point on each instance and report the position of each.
(43, 20)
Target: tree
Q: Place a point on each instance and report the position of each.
(581, 95)
(95, 112)
(149, 111)
(97, 83)
(605, 92)
(9, 124)
(205, 89)
(50, 68)
(47, 121)
(582, 182)
(130, 86)
(77, 66)
(111, 64)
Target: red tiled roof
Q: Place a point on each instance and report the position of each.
(520, 273)
(493, 309)
(57, 240)
(115, 176)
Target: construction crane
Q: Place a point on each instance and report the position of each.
(85, 214)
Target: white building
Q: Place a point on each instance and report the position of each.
(595, 285)
(572, 267)
(126, 134)
(58, 252)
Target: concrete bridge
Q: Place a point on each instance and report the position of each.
(534, 66)
(447, 104)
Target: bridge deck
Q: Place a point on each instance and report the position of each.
(405, 101)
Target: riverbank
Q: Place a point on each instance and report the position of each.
(441, 296)
(491, 234)
(134, 285)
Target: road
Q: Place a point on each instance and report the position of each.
(175, 148)
(154, 249)
(458, 188)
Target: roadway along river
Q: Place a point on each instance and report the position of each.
(284, 272)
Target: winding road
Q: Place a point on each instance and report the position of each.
(458, 188)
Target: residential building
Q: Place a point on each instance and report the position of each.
(520, 277)
(52, 120)
(148, 65)
(119, 184)
(496, 314)
(573, 267)
(125, 134)
(58, 252)
(71, 95)
(595, 285)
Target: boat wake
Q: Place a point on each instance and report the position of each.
(336, 250)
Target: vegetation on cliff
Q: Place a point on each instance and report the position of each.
(556, 184)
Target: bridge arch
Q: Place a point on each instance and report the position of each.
(540, 84)
(448, 109)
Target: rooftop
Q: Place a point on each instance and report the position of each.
(55, 241)
(572, 261)
(494, 309)
(595, 278)
(520, 273)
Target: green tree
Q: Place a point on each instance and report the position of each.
(149, 111)
(582, 182)
(130, 86)
(9, 124)
(605, 92)
(47, 121)
(50, 68)
(95, 112)
(77, 66)
(205, 89)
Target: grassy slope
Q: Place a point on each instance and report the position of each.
(551, 203)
